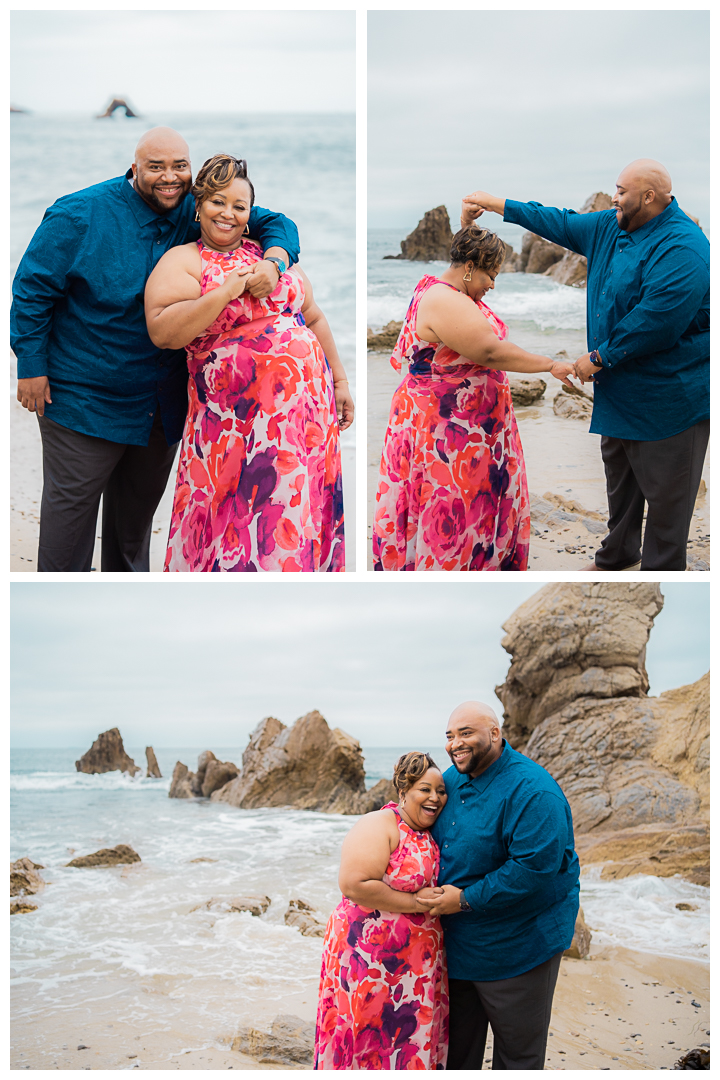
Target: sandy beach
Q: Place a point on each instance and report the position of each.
(561, 458)
(617, 1009)
(26, 491)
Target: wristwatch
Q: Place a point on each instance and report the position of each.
(464, 906)
(281, 267)
(595, 359)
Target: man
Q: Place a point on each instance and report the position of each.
(509, 875)
(111, 406)
(648, 329)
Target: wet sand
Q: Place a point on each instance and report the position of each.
(26, 491)
(618, 1009)
(561, 457)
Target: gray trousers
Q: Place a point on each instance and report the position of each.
(665, 474)
(77, 470)
(518, 1011)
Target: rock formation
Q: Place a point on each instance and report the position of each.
(634, 768)
(573, 404)
(256, 905)
(526, 391)
(306, 766)
(431, 239)
(290, 1041)
(302, 916)
(582, 938)
(211, 774)
(116, 103)
(153, 769)
(117, 856)
(21, 907)
(385, 339)
(24, 877)
(107, 754)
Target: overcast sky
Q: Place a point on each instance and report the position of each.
(546, 105)
(199, 665)
(183, 61)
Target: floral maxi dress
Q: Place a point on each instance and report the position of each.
(452, 493)
(259, 485)
(383, 986)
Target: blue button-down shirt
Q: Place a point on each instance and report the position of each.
(78, 310)
(506, 838)
(648, 315)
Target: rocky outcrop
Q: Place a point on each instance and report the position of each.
(430, 241)
(526, 391)
(511, 262)
(307, 766)
(210, 776)
(115, 104)
(24, 877)
(570, 270)
(22, 907)
(120, 855)
(582, 938)
(290, 1042)
(385, 339)
(301, 915)
(573, 404)
(107, 754)
(153, 769)
(634, 768)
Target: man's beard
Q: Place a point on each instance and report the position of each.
(152, 200)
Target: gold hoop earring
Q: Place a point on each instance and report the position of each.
(246, 230)
(468, 276)
(197, 215)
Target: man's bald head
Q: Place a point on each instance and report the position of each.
(162, 174)
(643, 191)
(474, 738)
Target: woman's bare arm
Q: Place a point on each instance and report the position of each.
(455, 320)
(316, 321)
(175, 310)
(365, 855)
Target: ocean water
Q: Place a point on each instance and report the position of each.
(125, 945)
(303, 165)
(541, 315)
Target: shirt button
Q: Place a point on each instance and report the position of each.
(157, 241)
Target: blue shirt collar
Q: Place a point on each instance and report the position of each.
(144, 214)
(654, 223)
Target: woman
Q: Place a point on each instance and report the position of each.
(259, 484)
(383, 989)
(452, 493)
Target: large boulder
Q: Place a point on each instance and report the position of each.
(570, 270)
(120, 855)
(573, 404)
(211, 775)
(579, 947)
(634, 768)
(107, 754)
(24, 877)
(301, 915)
(384, 339)
(526, 391)
(153, 769)
(307, 766)
(430, 240)
(539, 256)
(290, 1042)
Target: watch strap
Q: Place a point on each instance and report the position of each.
(281, 267)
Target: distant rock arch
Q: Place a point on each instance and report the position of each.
(117, 103)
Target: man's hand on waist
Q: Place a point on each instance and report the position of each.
(447, 904)
(33, 394)
(474, 205)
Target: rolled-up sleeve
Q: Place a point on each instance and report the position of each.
(536, 849)
(564, 227)
(674, 289)
(271, 229)
(42, 279)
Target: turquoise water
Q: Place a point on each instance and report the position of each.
(303, 165)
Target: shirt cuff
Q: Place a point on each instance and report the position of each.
(31, 367)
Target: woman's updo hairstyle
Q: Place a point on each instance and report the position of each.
(408, 770)
(483, 248)
(217, 173)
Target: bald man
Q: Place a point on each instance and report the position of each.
(111, 406)
(510, 880)
(648, 335)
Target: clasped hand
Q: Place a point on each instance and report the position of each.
(439, 901)
(584, 368)
(259, 281)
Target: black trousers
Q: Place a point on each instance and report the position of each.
(518, 1011)
(77, 470)
(665, 474)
